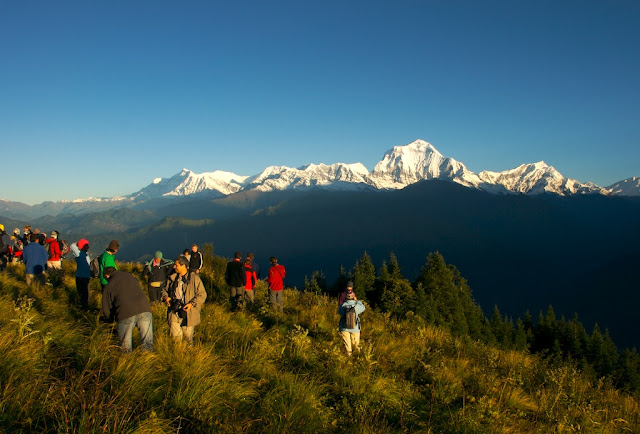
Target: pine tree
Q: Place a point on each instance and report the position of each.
(364, 279)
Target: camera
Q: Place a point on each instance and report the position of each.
(176, 306)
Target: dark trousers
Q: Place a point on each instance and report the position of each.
(154, 293)
(82, 285)
(237, 297)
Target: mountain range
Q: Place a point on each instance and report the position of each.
(399, 167)
(524, 238)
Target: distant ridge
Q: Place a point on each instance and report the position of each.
(400, 167)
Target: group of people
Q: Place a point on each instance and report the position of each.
(38, 252)
(175, 283)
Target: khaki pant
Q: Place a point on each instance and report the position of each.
(248, 295)
(54, 265)
(351, 341)
(36, 278)
(178, 331)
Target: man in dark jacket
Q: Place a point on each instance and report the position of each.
(124, 301)
(157, 271)
(195, 260)
(5, 244)
(236, 279)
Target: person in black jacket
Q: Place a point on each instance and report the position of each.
(124, 301)
(236, 279)
(195, 261)
(156, 271)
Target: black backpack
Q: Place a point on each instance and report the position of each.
(3, 247)
(350, 317)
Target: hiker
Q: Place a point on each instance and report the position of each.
(254, 265)
(107, 259)
(184, 295)
(35, 259)
(349, 326)
(195, 261)
(16, 249)
(124, 301)
(54, 252)
(235, 278)
(156, 271)
(343, 295)
(80, 251)
(276, 284)
(5, 248)
(26, 235)
(250, 279)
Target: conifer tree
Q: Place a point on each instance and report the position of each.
(364, 279)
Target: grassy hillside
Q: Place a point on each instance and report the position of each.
(259, 371)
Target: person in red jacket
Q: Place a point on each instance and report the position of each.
(53, 249)
(251, 279)
(276, 284)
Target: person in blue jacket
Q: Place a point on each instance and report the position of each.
(349, 327)
(80, 252)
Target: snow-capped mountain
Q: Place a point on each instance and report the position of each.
(626, 187)
(335, 176)
(187, 183)
(537, 178)
(399, 167)
(405, 165)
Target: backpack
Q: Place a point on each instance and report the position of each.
(94, 267)
(4, 248)
(350, 317)
(64, 248)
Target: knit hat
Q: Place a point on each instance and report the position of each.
(82, 243)
(349, 284)
(158, 255)
(113, 245)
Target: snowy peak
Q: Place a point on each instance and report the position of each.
(626, 187)
(537, 178)
(404, 165)
(336, 176)
(186, 183)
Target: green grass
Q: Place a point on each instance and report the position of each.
(260, 371)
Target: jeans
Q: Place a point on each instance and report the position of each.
(144, 322)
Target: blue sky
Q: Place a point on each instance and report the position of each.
(116, 93)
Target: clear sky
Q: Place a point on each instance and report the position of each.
(97, 98)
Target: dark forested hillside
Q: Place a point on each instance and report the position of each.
(518, 252)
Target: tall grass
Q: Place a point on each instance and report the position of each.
(258, 370)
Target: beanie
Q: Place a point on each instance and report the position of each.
(82, 243)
